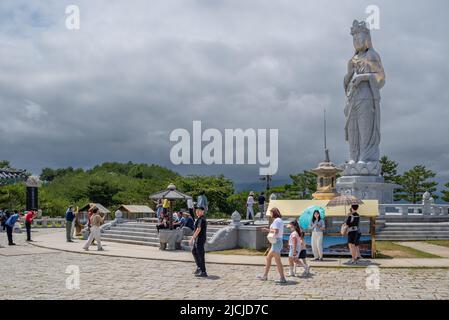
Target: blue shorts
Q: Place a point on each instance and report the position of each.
(292, 254)
(277, 247)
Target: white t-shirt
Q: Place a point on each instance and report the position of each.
(279, 225)
(250, 201)
(190, 203)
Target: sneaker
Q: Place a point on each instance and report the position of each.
(281, 281)
(262, 278)
(101, 249)
(291, 274)
(197, 271)
(321, 259)
(201, 275)
(86, 249)
(317, 259)
(12, 244)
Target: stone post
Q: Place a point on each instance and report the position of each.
(236, 218)
(426, 204)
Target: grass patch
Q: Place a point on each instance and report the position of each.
(390, 250)
(443, 243)
(240, 252)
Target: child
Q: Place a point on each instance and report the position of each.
(298, 249)
(294, 243)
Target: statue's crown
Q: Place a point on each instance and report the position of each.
(359, 27)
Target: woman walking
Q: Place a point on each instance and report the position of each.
(277, 231)
(95, 232)
(249, 206)
(318, 228)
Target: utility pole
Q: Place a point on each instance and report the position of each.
(268, 179)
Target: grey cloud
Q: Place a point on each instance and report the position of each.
(114, 90)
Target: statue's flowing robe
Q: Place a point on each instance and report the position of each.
(363, 108)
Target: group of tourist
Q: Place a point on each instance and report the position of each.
(197, 229)
(261, 204)
(8, 220)
(297, 245)
(94, 222)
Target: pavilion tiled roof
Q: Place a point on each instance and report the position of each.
(9, 176)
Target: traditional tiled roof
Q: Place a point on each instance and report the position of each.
(135, 209)
(10, 176)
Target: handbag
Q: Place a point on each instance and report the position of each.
(344, 229)
(271, 238)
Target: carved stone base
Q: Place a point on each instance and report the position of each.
(367, 187)
(362, 169)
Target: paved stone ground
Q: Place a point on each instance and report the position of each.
(41, 274)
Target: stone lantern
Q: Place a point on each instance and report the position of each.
(326, 179)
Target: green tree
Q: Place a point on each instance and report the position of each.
(102, 191)
(217, 188)
(414, 183)
(389, 170)
(5, 164)
(304, 184)
(12, 197)
(446, 193)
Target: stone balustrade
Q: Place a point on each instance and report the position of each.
(414, 209)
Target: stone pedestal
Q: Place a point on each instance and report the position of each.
(367, 188)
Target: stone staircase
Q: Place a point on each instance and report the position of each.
(410, 231)
(145, 234)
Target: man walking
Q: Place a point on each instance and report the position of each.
(10, 227)
(29, 217)
(69, 217)
(95, 232)
(197, 243)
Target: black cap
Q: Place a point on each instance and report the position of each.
(201, 208)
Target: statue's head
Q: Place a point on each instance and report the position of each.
(361, 36)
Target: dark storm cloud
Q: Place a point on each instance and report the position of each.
(115, 89)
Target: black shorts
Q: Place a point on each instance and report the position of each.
(357, 240)
(352, 237)
(303, 254)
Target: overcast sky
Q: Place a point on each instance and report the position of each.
(136, 70)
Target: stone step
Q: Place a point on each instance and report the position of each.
(113, 232)
(428, 230)
(153, 233)
(410, 237)
(414, 231)
(131, 237)
(140, 243)
(148, 226)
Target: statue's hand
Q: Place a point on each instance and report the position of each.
(358, 79)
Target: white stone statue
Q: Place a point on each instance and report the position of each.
(362, 85)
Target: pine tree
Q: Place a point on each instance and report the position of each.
(414, 183)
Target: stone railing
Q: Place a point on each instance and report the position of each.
(49, 222)
(413, 210)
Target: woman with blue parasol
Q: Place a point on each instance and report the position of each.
(313, 218)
